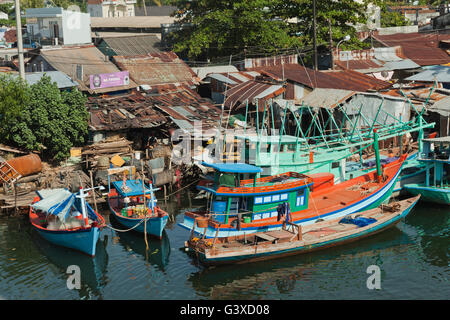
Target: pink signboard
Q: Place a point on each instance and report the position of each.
(105, 80)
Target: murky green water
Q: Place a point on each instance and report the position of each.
(413, 258)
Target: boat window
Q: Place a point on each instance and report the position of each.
(228, 180)
(334, 165)
(291, 147)
(300, 198)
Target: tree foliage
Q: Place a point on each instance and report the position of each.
(13, 96)
(220, 27)
(389, 18)
(49, 120)
(228, 27)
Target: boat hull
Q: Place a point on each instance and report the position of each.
(254, 255)
(155, 225)
(430, 194)
(372, 201)
(84, 240)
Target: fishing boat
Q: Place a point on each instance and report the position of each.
(66, 219)
(294, 239)
(237, 205)
(133, 204)
(436, 159)
(328, 144)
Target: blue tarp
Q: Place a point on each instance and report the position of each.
(233, 167)
(57, 202)
(132, 188)
(359, 221)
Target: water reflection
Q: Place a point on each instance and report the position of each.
(158, 252)
(432, 232)
(93, 270)
(256, 280)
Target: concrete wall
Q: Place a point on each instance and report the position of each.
(111, 10)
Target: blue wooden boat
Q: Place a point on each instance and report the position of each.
(436, 159)
(66, 219)
(294, 239)
(133, 204)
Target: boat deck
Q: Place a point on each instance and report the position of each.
(320, 234)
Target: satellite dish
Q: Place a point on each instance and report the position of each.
(384, 74)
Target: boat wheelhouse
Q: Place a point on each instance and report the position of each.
(133, 204)
(436, 158)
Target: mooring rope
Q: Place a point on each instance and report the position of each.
(118, 230)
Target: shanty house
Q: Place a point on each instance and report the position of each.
(87, 66)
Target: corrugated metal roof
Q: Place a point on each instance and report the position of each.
(184, 106)
(130, 22)
(422, 48)
(66, 59)
(131, 111)
(157, 68)
(222, 78)
(133, 45)
(252, 91)
(202, 72)
(375, 60)
(431, 74)
(345, 79)
(442, 107)
(326, 98)
(61, 79)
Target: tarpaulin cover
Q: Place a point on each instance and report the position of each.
(57, 202)
(359, 221)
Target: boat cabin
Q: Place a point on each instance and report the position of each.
(130, 197)
(236, 191)
(436, 154)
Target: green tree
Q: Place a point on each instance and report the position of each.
(389, 18)
(227, 27)
(220, 28)
(50, 120)
(13, 96)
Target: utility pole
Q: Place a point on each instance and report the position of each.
(331, 44)
(19, 40)
(314, 35)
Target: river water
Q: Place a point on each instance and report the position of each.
(413, 258)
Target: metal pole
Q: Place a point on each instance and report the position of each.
(314, 35)
(19, 40)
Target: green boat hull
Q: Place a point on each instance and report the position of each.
(430, 194)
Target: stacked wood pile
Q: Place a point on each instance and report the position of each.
(95, 152)
(70, 177)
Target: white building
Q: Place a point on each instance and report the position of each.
(111, 8)
(58, 26)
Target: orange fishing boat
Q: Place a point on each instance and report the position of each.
(237, 205)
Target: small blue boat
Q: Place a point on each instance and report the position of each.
(66, 219)
(134, 206)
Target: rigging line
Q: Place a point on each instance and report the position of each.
(307, 73)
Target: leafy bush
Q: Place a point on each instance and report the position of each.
(49, 120)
